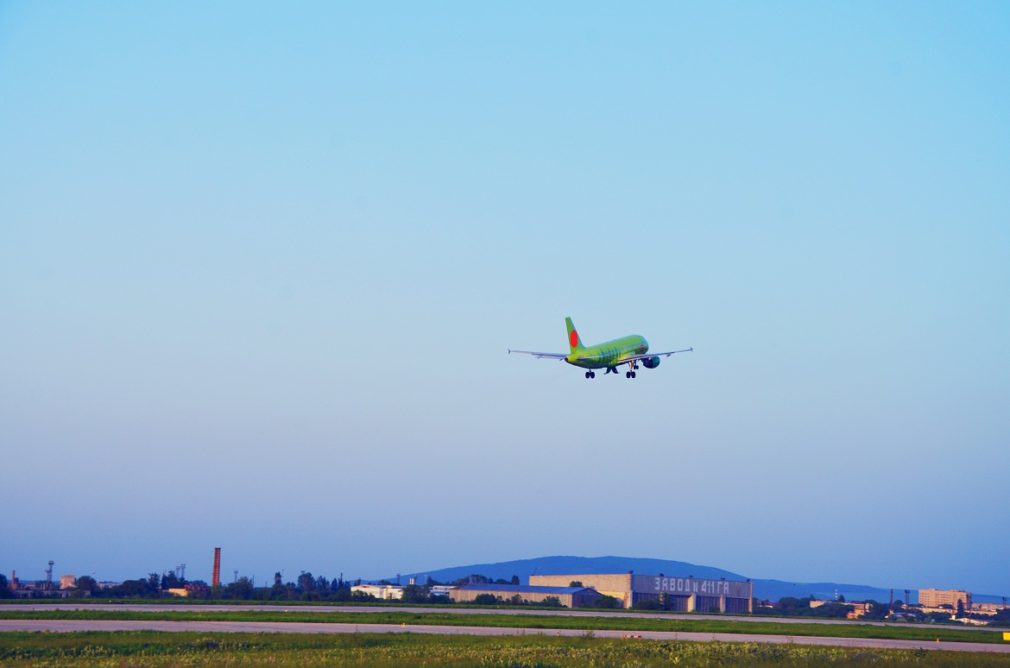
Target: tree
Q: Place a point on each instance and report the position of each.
(960, 609)
(607, 602)
(86, 583)
(552, 602)
(575, 583)
(415, 594)
(514, 580)
(132, 589)
(486, 599)
(241, 589)
(278, 590)
(170, 581)
(1002, 617)
(198, 589)
(306, 583)
(5, 588)
(833, 609)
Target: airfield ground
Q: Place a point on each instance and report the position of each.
(645, 636)
(145, 649)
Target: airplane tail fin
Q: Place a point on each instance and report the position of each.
(574, 342)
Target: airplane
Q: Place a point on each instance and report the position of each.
(609, 355)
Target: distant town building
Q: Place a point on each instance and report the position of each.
(684, 594)
(570, 597)
(859, 609)
(380, 591)
(178, 591)
(934, 598)
(68, 581)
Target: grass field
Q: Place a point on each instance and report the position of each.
(923, 632)
(143, 649)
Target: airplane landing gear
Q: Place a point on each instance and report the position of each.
(590, 374)
(630, 374)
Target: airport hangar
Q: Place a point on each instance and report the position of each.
(683, 594)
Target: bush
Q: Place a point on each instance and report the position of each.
(648, 604)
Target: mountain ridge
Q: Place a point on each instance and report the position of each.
(764, 588)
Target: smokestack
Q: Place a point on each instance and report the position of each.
(215, 579)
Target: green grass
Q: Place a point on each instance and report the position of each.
(923, 632)
(150, 649)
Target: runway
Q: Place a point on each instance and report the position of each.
(538, 612)
(78, 625)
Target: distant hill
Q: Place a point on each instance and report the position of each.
(765, 589)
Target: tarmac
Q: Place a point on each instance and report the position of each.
(78, 625)
(456, 610)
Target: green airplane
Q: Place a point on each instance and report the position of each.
(609, 355)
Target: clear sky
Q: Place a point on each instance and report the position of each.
(260, 264)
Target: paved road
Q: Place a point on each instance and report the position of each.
(156, 607)
(72, 625)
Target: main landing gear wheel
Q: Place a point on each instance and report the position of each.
(590, 374)
(629, 374)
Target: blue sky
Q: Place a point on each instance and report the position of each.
(260, 264)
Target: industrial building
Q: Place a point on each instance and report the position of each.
(570, 597)
(934, 598)
(382, 592)
(683, 594)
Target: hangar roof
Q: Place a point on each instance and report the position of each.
(524, 589)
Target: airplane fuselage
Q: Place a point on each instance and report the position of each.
(608, 353)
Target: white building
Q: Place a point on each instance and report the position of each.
(383, 592)
(441, 590)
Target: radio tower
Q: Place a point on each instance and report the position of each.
(49, 576)
(215, 579)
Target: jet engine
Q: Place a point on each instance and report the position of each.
(651, 362)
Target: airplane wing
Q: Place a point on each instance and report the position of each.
(540, 356)
(636, 358)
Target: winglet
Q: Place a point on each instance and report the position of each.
(574, 342)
